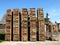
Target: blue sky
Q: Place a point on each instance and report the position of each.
(50, 6)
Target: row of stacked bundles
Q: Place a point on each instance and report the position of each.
(25, 26)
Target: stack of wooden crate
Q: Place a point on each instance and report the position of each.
(41, 24)
(8, 25)
(53, 28)
(24, 25)
(54, 32)
(33, 27)
(16, 25)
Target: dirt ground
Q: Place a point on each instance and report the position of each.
(31, 43)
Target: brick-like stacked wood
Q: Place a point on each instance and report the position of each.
(21, 28)
(16, 24)
(33, 25)
(8, 30)
(41, 24)
(24, 25)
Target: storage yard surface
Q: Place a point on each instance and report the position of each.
(31, 43)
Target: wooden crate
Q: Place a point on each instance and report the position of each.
(32, 9)
(16, 37)
(50, 28)
(15, 17)
(42, 37)
(33, 24)
(8, 31)
(33, 34)
(8, 28)
(40, 9)
(8, 23)
(16, 30)
(32, 13)
(8, 17)
(24, 24)
(40, 14)
(41, 32)
(33, 38)
(9, 12)
(24, 17)
(32, 18)
(7, 37)
(16, 11)
(24, 33)
(54, 37)
(24, 30)
(24, 9)
(24, 13)
(40, 18)
(55, 28)
(24, 38)
(33, 29)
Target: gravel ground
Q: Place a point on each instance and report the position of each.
(31, 43)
